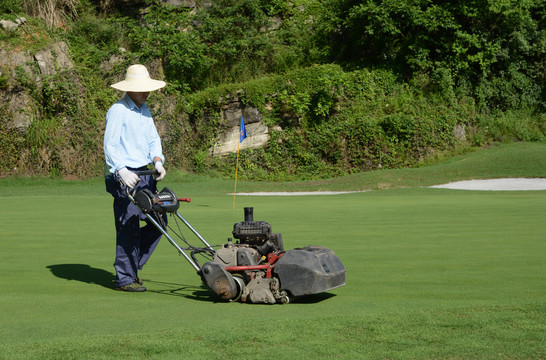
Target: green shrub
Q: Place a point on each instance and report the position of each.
(12, 8)
(496, 47)
(512, 126)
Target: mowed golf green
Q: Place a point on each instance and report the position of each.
(431, 273)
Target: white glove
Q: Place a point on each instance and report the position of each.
(161, 170)
(128, 177)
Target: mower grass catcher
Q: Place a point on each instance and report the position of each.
(255, 268)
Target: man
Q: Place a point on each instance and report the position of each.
(131, 143)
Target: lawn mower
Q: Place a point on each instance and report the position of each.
(253, 268)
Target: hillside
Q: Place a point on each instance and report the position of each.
(326, 89)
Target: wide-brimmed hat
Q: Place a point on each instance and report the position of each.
(137, 79)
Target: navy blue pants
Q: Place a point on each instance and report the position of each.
(134, 244)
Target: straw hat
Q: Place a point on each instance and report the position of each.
(137, 79)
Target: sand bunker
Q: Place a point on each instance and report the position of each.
(506, 184)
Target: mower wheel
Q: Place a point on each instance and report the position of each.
(240, 287)
(285, 299)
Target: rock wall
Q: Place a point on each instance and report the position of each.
(21, 67)
(53, 58)
(228, 140)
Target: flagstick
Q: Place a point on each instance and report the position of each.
(236, 170)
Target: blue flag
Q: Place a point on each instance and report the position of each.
(242, 131)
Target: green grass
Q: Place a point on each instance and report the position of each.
(431, 273)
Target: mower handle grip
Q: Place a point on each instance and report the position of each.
(146, 172)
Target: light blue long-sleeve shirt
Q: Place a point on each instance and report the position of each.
(130, 138)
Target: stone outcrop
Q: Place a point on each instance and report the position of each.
(257, 136)
(228, 141)
(54, 58)
(8, 25)
(20, 108)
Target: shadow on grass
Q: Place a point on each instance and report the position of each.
(204, 293)
(83, 273)
(91, 275)
(193, 292)
(312, 299)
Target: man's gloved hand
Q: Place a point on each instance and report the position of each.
(161, 170)
(128, 177)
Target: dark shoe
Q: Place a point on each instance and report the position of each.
(138, 280)
(133, 287)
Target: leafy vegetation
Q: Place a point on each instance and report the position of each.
(344, 85)
(493, 49)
